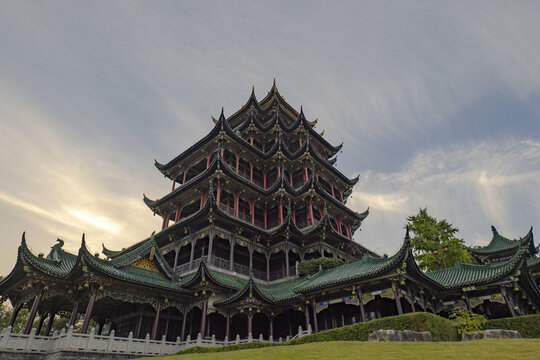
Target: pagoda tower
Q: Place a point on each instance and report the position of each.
(259, 193)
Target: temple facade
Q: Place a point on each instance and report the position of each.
(247, 203)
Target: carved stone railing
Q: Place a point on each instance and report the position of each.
(68, 341)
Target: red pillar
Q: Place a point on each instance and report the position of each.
(265, 218)
(222, 151)
(338, 225)
(32, 314)
(174, 182)
(264, 179)
(341, 196)
(208, 160)
(218, 196)
(74, 314)
(290, 178)
(166, 218)
(203, 318)
(88, 313)
(251, 171)
(251, 140)
(237, 162)
(178, 214)
(236, 202)
(252, 209)
(294, 215)
(310, 212)
(278, 172)
(305, 174)
(156, 321)
(185, 175)
(333, 194)
(280, 210)
(203, 198)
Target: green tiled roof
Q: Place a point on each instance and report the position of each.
(500, 244)
(57, 264)
(281, 291)
(367, 267)
(462, 275)
(533, 262)
(130, 273)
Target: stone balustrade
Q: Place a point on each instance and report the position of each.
(72, 342)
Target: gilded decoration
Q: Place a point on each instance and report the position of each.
(146, 264)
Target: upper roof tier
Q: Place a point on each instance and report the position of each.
(271, 114)
(500, 245)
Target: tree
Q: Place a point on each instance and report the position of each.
(434, 243)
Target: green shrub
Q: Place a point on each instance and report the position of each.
(309, 267)
(233, 347)
(527, 325)
(441, 329)
(466, 321)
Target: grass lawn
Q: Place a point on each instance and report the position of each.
(514, 349)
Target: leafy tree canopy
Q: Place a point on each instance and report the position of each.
(434, 242)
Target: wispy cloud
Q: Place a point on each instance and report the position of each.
(472, 185)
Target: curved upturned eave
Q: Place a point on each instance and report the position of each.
(499, 271)
(96, 264)
(164, 168)
(510, 244)
(387, 264)
(203, 269)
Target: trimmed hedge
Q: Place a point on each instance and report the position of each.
(233, 347)
(527, 325)
(441, 329)
(309, 267)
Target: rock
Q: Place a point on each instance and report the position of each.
(399, 335)
(491, 334)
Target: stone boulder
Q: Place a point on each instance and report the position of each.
(399, 335)
(492, 334)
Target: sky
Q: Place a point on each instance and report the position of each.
(437, 104)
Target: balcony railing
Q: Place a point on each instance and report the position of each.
(247, 176)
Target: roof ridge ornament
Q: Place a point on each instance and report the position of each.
(495, 232)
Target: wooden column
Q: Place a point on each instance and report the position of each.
(14, 314)
(218, 194)
(252, 209)
(250, 324)
(203, 318)
(50, 323)
(231, 255)
(178, 214)
(362, 310)
(395, 289)
(40, 323)
(184, 321)
(176, 251)
(286, 261)
(508, 302)
(237, 162)
(139, 321)
(168, 321)
(208, 160)
(251, 171)
(210, 246)
(174, 182)
(306, 313)
(310, 212)
(166, 218)
(32, 314)
(236, 202)
(203, 199)
(250, 258)
(74, 314)
(264, 179)
(268, 266)
(315, 324)
(280, 209)
(271, 327)
(228, 327)
(156, 320)
(265, 218)
(192, 255)
(88, 313)
(185, 176)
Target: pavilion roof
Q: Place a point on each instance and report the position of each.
(463, 275)
(501, 244)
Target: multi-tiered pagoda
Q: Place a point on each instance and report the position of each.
(249, 202)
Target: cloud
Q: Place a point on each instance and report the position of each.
(472, 185)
